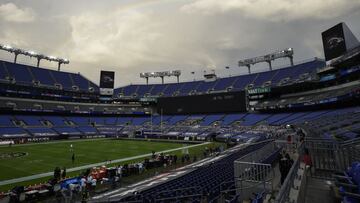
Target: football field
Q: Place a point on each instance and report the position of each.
(30, 159)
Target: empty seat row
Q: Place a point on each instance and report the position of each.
(29, 75)
(349, 183)
(204, 181)
(235, 83)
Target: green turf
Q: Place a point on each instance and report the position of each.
(45, 157)
(129, 148)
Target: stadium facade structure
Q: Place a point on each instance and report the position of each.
(320, 99)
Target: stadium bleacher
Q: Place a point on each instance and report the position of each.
(340, 124)
(87, 130)
(236, 83)
(202, 181)
(27, 75)
(29, 120)
(336, 124)
(349, 183)
(208, 120)
(12, 132)
(42, 132)
(309, 109)
(6, 120)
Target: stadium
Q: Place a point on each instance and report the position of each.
(284, 134)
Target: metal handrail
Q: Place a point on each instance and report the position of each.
(283, 194)
(179, 189)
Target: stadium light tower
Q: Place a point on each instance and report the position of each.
(177, 74)
(39, 57)
(16, 53)
(38, 60)
(146, 76)
(289, 52)
(249, 69)
(290, 55)
(62, 61)
(161, 75)
(11, 49)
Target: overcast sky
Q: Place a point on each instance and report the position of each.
(133, 36)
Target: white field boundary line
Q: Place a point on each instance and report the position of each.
(91, 139)
(56, 142)
(42, 175)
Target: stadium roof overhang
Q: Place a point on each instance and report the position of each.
(349, 59)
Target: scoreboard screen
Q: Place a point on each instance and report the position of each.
(207, 103)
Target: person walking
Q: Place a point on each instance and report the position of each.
(287, 165)
(63, 175)
(73, 158)
(282, 168)
(175, 159)
(307, 160)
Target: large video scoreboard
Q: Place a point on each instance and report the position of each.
(207, 103)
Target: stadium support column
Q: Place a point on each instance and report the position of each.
(147, 80)
(16, 55)
(151, 121)
(177, 78)
(270, 67)
(38, 61)
(291, 60)
(59, 64)
(162, 79)
(248, 66)
(161, 120)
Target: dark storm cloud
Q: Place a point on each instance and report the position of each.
(154, 35)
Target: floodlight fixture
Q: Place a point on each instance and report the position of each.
(31, 53)
(286, 53)
(8, 47)
(161, 75)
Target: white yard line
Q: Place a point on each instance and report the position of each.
(57, 142)
(41, 175)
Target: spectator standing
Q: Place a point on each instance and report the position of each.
(288, 164)
(175, 159)
(63, 175)
(83, 183)
(89, 181)
(119, 171)
(282, 168)
(93, 184)
(73, 158)
(141, 167)
(307, 160)
(57, 173)
(187, 157)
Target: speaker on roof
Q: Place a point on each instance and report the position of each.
(337, 41)
(107, 83)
